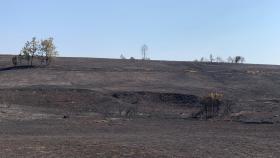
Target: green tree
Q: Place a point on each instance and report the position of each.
(237, 59)
(34, 45)
(30, 49)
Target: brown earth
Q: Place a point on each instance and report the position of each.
(80, 107)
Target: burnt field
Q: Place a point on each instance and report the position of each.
(80, 107)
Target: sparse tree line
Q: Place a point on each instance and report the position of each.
(144, 54)
(43, 51)
(212, 59)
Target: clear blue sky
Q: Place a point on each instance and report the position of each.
(173, 29)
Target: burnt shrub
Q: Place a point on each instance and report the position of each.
(227, 107)
(210, 106)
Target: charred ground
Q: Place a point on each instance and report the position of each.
(80, 107)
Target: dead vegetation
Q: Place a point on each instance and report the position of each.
(213, 105)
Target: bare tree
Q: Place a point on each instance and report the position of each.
(230, 59)
(211, 58)
(201, 59)
(144, 50)
(219, 60)
(242, 60)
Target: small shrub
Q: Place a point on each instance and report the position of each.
(127, 110)
(227, 107)
(122, 57)
(131, 112)
(14, 60)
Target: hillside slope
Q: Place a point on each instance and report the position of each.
(155, 88)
